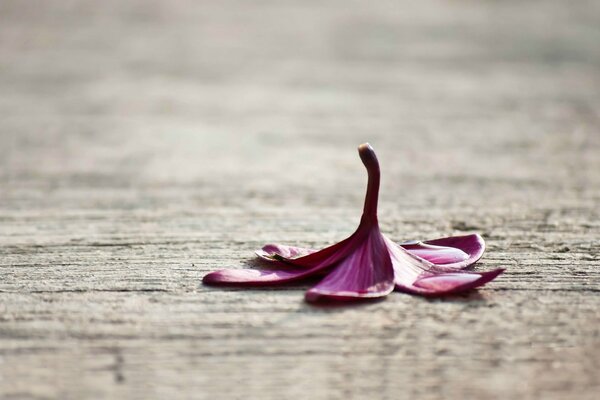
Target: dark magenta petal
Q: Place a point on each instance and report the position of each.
(451, 252)
(367, 272)
(325, 257)
(313, 264)
(449, 283)
(276, 252)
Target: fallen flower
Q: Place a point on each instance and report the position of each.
(368, 264)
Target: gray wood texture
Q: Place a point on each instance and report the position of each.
(146, 143)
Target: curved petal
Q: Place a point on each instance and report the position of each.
(440, 255)
(256, 277)
(449, 283)
(312, 264)
(324, 257)
(367, 272)
(280, 252)
(416, 275)
(450, 252)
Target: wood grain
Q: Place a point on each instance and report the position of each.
(145, 143)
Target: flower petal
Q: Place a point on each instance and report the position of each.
(418, 276)
(255, 277)
(436, 254)
(324, 257)
(449, 283)
(277, 252)
(312, 264)
(451, 252)
(367, 272)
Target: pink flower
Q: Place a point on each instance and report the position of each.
(368, 264)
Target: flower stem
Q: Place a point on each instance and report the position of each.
(369, 159)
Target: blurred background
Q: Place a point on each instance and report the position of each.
(162, 92)
(145, 143)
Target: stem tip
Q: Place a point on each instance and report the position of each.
(368, 157)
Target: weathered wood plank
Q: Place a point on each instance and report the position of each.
(209, 343)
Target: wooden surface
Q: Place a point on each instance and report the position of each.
(145, 143)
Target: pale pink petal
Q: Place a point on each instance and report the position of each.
(436, 254)
(451, 252)
(277, 252)
(416, 275)
(449, 283)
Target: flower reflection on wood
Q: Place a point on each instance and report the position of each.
(368, 264)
